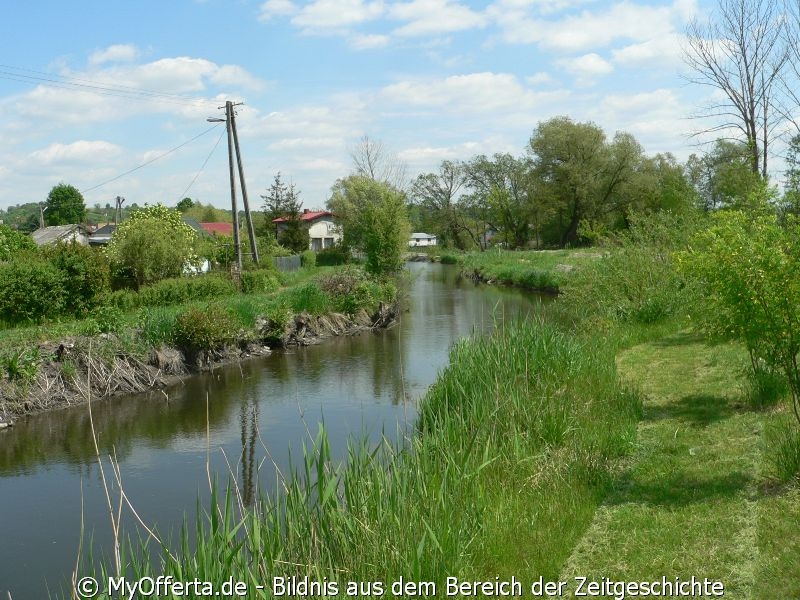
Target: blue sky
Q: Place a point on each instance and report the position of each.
(90, 90)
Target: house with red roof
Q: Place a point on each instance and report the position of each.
(323, 231)
(218, 228)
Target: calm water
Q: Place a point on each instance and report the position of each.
(240, 418)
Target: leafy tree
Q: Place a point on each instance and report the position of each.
(436, 197)
(65, 206)
(185, 204)
(12, 242)
(724, 178)
(582, 176)
(153, 244)
(86, 275)
(374, 220)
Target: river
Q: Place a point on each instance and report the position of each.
(239, 419)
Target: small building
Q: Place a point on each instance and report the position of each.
(57, 234)
(323, 231)
(422, 239)
(102, 235)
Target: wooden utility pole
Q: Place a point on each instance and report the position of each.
(41, 214)
(236, 241)
(250, 231)
(118, 210)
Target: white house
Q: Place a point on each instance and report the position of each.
(323, 231)
(422, 239)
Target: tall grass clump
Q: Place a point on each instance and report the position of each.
(782, 436)
(528, 423)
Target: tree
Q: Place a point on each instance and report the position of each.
(502, 186)
(437, 195)
(153, 244)
(374, 220)
(581, 176)
(185, 204)
(373, 161)
(723, 177)
(743, 55)
(65, 206)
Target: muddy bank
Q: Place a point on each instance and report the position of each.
(72, 370)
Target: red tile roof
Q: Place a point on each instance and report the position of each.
(307, 215)
(218, 228)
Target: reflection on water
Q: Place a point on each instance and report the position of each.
(241, 419)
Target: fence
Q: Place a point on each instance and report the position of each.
(286, 263)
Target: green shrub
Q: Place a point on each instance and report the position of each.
(259, 281)
(12, 242)
(330, 257)
(86, 275)
(764, 387)
(449, 259)
(124, 300)
(204, 329)
(31, 290)
(364, 295)
(277, 317)
(308, 259)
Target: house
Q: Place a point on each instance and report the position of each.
(422, 239)
(219, 228)
(102, 235)
(323, 231)
(56, 234)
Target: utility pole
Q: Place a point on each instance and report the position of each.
(250, 232)
(118, 210)
(42, 208)
(233, 140)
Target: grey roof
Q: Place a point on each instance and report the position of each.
(55, 233)
(421, 236)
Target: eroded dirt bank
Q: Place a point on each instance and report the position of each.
(73, 370)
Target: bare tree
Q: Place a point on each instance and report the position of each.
(743, 53)
(372, 160)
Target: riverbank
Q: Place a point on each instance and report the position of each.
(156, 346)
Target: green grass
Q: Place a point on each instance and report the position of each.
(533, 269)
(692, 500)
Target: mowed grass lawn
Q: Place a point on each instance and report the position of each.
(696, 498)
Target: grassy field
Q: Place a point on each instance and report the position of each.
(696, 498)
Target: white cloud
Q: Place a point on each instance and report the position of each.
(430, 17)
(75, 152)
(276, 8)
(587, 67)
(369, 41)
(115, 53)
(472, 93)
(329, 16)
(661, 51)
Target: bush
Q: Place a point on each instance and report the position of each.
(330, 257)
(21, 365)
(449, 259)
(204, 329)
(308, 258)
(30, 290)
(764, 387)
(308, 297)
(124, 300)
(259, 281)
(12, 242)
(86, 275)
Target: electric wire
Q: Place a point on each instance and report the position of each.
(149, 162)
(202, 168)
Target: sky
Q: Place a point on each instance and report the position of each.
(91, 90)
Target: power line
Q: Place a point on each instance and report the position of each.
(57, 81)
(202, 168)
(149, 162)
